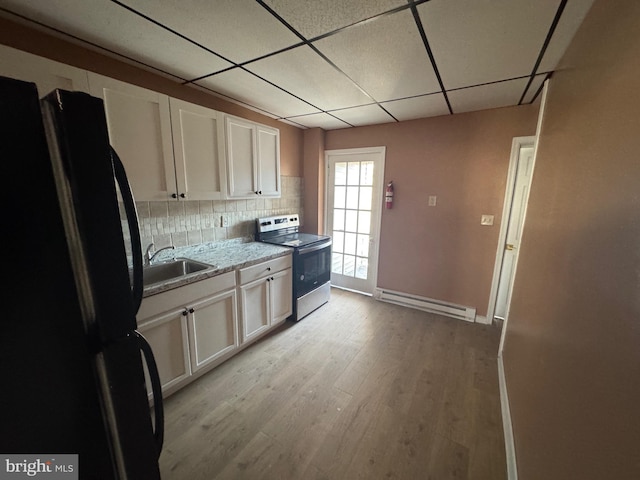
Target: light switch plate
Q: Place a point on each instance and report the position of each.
(486, 220)
(433, 200)
(224, 221)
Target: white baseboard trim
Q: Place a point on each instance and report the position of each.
(509, 444)
(460, 312)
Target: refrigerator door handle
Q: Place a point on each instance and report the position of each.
(134, 229)
(156, 388)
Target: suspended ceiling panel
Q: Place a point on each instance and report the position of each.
(251, 90)
(238, 30)
(330, 63)
(369, 50)
(305, 74)
(417, 107)
(313, 18)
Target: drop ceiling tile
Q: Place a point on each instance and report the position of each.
(571, 18)
(537, 82)
(322, 120)
(321, 16)
(249, 89)
(480, 41)
(493, 95)
(114, 28)
(418, 107)
(305, 74)
(239, 30)
(364, 115)
(386, 57)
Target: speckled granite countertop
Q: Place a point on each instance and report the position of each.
(225, 256)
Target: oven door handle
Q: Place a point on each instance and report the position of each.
(314, 248)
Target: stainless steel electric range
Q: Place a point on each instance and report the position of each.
(311, 260)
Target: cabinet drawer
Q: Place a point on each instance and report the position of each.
(184, 295)
(248, 274)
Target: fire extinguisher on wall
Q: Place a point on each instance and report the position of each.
(388, 196)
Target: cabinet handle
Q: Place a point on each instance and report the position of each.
(271, 278)
(185, 313)
(173, 195)
(268, 269)
(191, 310)
(260, 192)
(182, 195)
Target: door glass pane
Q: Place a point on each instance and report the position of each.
(341, 173)
(362, 246)
(350, 243)
(364, 222)
(352, 216)
(338, 242)
(353, 175)
(352, 221)
(336, 263)
(338, 219)
(339, 196)
(362, 268)
(349, 266)
(366, 173)
(352, 197)
(365, 198)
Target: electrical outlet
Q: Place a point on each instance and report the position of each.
(433, 200)
(224, 221)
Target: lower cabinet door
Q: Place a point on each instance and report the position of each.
(281, 296)
(167, 335)
(255, 308)
(212, 329)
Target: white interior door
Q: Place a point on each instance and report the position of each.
(354, 201)
(514, 230)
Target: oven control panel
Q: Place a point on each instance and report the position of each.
(278, 222)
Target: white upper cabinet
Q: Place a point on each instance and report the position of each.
(139, 125)
(46, 74)
(171, 149)
(253, 159)
(198, 148)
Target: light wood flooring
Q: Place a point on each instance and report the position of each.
(359, 389)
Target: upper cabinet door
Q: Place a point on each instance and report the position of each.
(198, 146)
(268, 161)
(46, 74)
(241, 152)
(139, 125)
(253, 159)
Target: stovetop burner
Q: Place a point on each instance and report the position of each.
(283, 230)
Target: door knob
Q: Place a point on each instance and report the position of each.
(510, 247)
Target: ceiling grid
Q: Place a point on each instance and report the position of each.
(330, 63)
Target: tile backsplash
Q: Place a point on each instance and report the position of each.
(187, 222)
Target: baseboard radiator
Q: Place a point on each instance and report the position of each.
(460, 312)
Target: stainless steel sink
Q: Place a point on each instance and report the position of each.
(161, 272)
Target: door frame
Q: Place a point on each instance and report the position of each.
(376, 219)
(516, 145)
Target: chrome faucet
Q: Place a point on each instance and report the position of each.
(149, 255)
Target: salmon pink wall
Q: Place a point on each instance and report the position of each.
(572, 345)
(443, 252)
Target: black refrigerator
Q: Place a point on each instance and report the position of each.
(71, 361)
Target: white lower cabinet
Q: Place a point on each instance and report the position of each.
(168, 337)
(265, 295)
(213, 329)
(190, 328)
